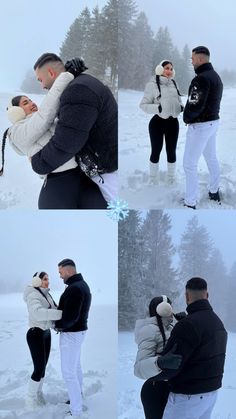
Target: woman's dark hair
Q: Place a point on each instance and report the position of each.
(41, 275)
(4, 138)
(159, 87)
(152, 312)
(16, 100)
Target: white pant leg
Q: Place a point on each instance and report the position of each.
(108, 185)
(196, 140)
(197, 406)
(70, 347)
(209, 154)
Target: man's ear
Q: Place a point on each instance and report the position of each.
(51, 72)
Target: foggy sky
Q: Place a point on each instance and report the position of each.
(202, 22)
(34, 241)
(221, 225)
(28, 29)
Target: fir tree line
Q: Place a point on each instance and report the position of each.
(147, 267)
(140, 50)
(94, 36)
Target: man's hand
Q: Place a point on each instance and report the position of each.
(75, 66)
(170, 360)
(180, 316)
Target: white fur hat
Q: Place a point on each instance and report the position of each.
(15, 113)
(164, 309)
(160, 69)
(36, 280)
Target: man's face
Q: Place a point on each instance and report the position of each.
(46, 76)
(196, 60)
(63, 272)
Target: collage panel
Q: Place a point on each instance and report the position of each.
(176, 123)
(58, 105)
(177, 314)
(58, 291)
(127, 312)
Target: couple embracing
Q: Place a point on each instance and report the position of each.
(70, 319)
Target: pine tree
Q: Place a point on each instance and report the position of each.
(163, 49)
(97, 46)
(128, 269)
(142, 53)
(127, 10)
(231, 298)
(195, 252)
(158, 251)
(77, 41)
(217, 284)
(110, 19)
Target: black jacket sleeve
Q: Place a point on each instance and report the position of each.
(77, 115)
(198, 94)
(186, 339)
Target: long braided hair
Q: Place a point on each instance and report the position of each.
(4, 138)
(152, 312)
(15, 102)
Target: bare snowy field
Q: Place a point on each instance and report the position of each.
(99, 362)
(134, 153)
(130, 406)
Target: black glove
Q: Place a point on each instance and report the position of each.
(170, 360)
(179, 316)
(75, 66)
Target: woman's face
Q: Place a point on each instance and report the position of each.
(45, 281)
(168, 70)
(28, 106)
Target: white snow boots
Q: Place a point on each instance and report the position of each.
(154, 173)
(34, 397)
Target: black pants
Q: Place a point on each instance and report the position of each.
(154, 396)
(70, 189)
(39, 342)
(158, 129)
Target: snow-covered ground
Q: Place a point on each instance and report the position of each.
(99, 362)
(130, 406)
(134, 153)
(19, 186)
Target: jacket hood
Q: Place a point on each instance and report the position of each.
(29, 290)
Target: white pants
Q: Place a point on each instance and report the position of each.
(70, 347)
(195, 406)
(108, 185)
(200, 139)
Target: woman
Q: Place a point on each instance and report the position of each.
(42, 313)
(162, 98)
(32, 128)
(151, 335)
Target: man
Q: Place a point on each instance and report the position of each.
(75, 304)
(86, 128)
(202, 114)
(200, 338)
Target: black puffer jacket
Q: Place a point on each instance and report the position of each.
(204, 96)
(75, 304)
(201, 340)
(87, 128)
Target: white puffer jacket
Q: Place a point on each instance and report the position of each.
(40, 313)
(170, 101)
(150, 344)
(31, 134)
